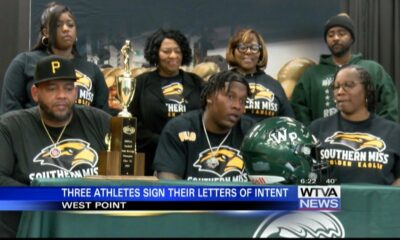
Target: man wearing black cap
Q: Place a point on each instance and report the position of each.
(54, 139)
(312, 98)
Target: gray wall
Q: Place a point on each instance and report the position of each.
(102, 22)
(14, 21)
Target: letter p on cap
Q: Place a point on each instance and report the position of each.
(54, 66)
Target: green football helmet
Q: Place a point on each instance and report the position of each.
(281, 150)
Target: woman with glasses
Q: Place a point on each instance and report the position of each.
(57, 36)
(247, 54)
(359, 146)
(164, 93)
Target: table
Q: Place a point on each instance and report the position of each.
(367, 211)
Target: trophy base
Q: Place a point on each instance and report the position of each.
(123, 140)
(110, 164)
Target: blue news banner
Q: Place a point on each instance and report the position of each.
(171, 198)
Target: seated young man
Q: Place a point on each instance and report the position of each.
(204, 144)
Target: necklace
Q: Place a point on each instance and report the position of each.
(213, 161)
(55, 151)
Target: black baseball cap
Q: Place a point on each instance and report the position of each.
(54, 68)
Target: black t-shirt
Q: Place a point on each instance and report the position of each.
(268, 98)
(153, 109)
(25, 146)
(183, 150)
(18, 80)
(172, 89)
(359, 152)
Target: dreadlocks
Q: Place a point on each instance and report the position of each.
(217, 82)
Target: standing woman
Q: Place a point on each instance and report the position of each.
(164, 93)
(58, 35)
(247, 54)
(359, 146)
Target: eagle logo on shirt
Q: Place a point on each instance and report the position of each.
(74, 152)
(84, 86)
(83, 80)
(357, 141)
(173, 92)
(224, 161)
(261, 92)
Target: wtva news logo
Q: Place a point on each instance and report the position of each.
(319, 197)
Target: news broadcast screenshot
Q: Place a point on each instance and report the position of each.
(199, 119)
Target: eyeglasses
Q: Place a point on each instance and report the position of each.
(347, 86)
(254, 48)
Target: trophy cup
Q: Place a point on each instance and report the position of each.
(121, 157)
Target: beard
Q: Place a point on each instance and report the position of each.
(46, 111)
(340, 51)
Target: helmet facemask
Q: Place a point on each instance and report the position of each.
(281, 149)
(320, 167)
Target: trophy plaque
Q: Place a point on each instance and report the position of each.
(121, 157)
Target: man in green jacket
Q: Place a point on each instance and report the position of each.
(312, 98)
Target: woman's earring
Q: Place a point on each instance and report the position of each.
(45, 41)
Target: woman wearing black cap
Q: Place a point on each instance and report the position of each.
(58, 36)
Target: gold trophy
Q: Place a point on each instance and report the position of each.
(126, 83)
(121, 157)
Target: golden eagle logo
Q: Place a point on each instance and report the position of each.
(224, 161)
(261, 92)
(74, 153)
(357, 141)
(173, 92)
(83, 80)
